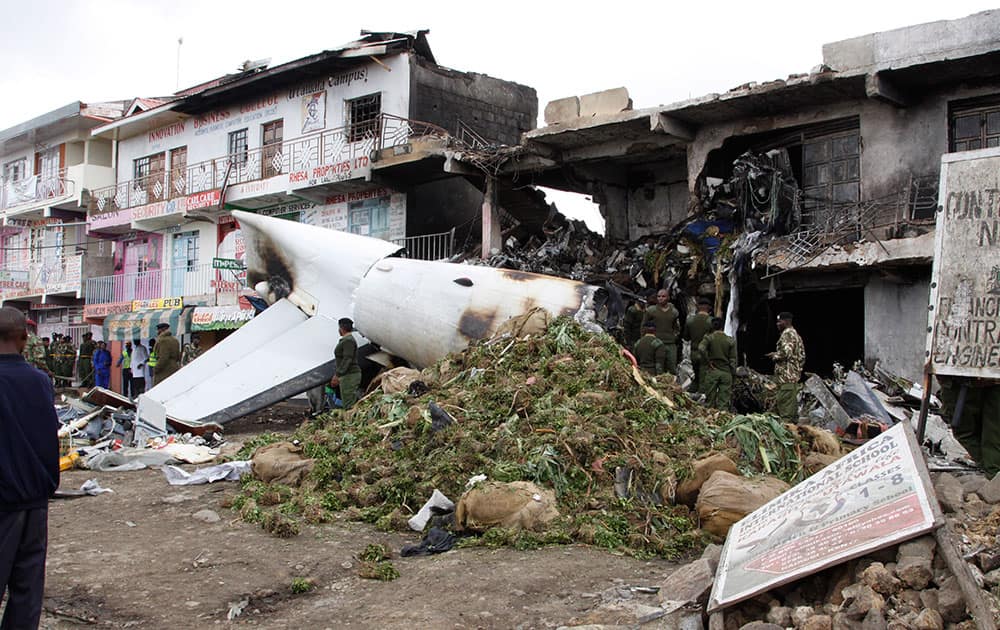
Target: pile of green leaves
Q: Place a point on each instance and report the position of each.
(562, 409)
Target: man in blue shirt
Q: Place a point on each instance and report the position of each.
(29, 474)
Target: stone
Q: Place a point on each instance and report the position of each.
(690, 583)
(605, 103)
(976, 507)
(915, 572)
(990, 491)
(928, 619)
(842, 577)
(874, 620)
(801, 615)
(712, 553)
(726, 498)
(951, 603)
(818, 622)
(842, 622)
(988, 559)
(780, 615)
(562, 110)
(910, 599)
(950, 493)
(815, 462)
(928, 599)
(859, 599)
(760, 625)
(992, 578)
(880, 579)
(922, 547)
(972, 483)
(206, 516)
(701, 471)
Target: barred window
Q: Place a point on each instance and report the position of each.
(363, 117)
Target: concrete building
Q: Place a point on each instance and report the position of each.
(860, 139)
(51, 164)
(350, 139)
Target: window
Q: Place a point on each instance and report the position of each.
(185, 251)
(148, 175)
(178, 171)
(831, 172)
(48, 164)
(271, 137)
(363, 117)
(975, 125)
(238, 147)
(15, 170)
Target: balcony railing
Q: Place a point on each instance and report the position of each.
(184, 281)
(34, 189)
(429, 246)
(325, 148)
(56, 274)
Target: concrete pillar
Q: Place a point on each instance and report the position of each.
(492, 232)
(614, 206)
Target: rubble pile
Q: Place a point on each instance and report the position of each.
(554, 406)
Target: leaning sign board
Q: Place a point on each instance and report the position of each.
(872, 498)
(964, 322)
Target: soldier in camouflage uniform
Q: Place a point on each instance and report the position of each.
(85, 368)
(63, 357)
(34, 350)
(719, 353)
(191, 351)
(789, 358)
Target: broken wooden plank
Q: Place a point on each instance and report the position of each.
(816, 387)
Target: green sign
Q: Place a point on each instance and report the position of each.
(227, 263)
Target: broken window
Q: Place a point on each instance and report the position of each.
(238, 147)
(974, 124)
(831, 175)
(363, 117)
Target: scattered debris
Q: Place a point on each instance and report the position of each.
(228, 471)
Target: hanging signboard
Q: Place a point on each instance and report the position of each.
(874, 497)
(964, 321)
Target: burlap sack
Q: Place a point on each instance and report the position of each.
(726, 498)
(534, 322)
(514, 505)
(281, 462)
(398, 379)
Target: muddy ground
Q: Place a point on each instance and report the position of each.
(138, 558)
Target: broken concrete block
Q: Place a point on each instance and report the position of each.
(928, 599)
(928, 619)
(713, 553)
(915, 572)
(874, 620)
(951, 603)
(859, 599)
(990, 491)
(702, 469)
(910, 599)
(690, 583)
(780, 615)
(843, 622)
(992, 578)
(605, 103)
(801, 615)
(922, 547)
(880, 579)
(818, 622)
(988, 560)
(726, 498)
(562, 110)
(972, 482)
(950, 493)
(760, 625)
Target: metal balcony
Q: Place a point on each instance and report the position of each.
(429, 246)
(331, 147)
(184, 282)
(35, 189)
(51, 276)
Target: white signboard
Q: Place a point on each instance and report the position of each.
(964, 320)
(871, 498)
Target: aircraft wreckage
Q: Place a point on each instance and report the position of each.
(311, 277)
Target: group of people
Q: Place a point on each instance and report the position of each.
(142, 366)
(654, 333)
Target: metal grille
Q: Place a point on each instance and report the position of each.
(363, 117)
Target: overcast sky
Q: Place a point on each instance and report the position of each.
(60, 51)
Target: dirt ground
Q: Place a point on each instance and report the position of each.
(138, 558)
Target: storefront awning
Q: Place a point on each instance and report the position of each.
(219, 317)
(142, 324)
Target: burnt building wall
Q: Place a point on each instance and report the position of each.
(499, 111)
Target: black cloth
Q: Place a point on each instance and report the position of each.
(24, 537)
(29, 447)
(138, 385)
(436, 541)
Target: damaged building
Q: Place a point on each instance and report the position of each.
(830, 177)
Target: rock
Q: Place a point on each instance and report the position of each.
(928, 599)
(780, 615)
(818, 622)
(880, 579)
(713, 553)
(815, 462)
(949, 492)
(988, 560)
(922, 547)
(972, 483)
(726, 498)
(843, 577)
(928, 619)
(910, 599)
(976, 507)
(951, 603)
(859, 599)
(801, 615)
(690, 583)
(702, 469)
(842, 622)
(990, 491)
(874, 620)
(992, 578)
(206, 516)
(915, 572)
(760, 625)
